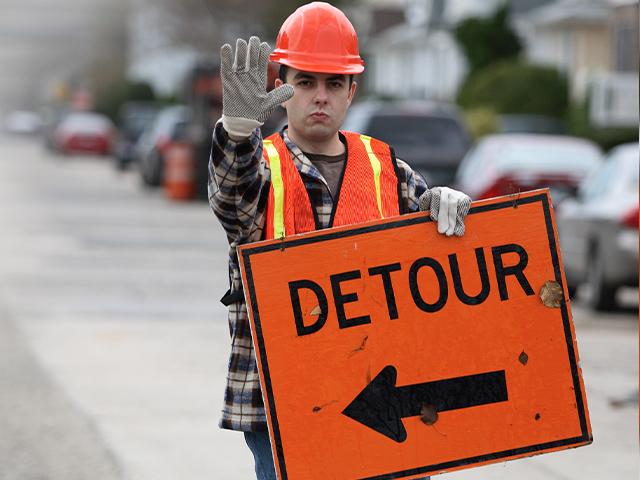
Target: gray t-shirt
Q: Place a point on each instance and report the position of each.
(330, 167)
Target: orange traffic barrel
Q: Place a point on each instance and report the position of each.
(179, 171)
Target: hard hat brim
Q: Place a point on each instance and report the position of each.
(320, 64)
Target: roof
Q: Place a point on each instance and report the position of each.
(571, 11)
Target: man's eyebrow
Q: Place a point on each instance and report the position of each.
(306, 76)
(302, 75)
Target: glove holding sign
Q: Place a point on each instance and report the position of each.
(246, 104)
(447, 207)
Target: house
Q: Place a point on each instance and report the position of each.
(595, 43)
(614, 99)
(419, 57)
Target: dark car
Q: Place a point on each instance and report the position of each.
(151, 147)
(513, 123)
(503, 164)
(598, 229)
(430, 137)
(134, 117)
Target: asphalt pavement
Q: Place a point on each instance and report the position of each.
(113, 345)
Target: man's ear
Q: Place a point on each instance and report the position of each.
(276, 84)
(352, 91)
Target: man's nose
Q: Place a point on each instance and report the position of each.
(321, 94)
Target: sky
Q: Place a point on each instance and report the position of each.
(44, 41)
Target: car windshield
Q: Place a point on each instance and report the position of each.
(617, 175)
(165, 121)
(415, 131)
(86, 123)
(629, 163)
(135, 123)
(551, 156)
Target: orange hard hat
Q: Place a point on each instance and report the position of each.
(318, 37)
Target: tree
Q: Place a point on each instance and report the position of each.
(110, 99)
(514, 87)
(487, 40)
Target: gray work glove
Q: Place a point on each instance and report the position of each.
(447, 207)
(245, 101)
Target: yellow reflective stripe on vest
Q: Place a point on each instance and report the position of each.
(377, 169)
(278, 188)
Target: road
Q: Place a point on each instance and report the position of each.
(114, 346)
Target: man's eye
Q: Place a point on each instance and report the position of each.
(304, 83)
(336, 84)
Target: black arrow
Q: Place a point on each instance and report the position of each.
(381, 405)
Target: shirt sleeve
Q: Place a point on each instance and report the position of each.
(238, 184)
(412, 184)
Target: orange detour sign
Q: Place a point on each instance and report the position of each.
(389, 351)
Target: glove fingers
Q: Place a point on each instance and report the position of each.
(434, 205)
(464, 206)
(424, 202)
(263, 61)
(240, 62)
(226, 58)
(463, 210)
(277, 96)
(443, 213)
(253, 54)
(453, 212)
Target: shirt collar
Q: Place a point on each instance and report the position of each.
(300, 160)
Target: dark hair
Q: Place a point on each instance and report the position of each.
(282, 75)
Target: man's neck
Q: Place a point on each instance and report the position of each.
(331, 146)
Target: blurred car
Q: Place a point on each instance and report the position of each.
(598, 229)
(51, 118)
(134, 117)
(22, 122)
(169, 125)
(520, 123)
(503, 164)
(84, 132)
(430, 137)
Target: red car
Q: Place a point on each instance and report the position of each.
(85, 132)
(503, 164)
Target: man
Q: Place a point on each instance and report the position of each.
(307, 177)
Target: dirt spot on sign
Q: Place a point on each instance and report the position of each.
(362, 345)
(523, 358)
(318, 408)
(428, 414)
(551, 294)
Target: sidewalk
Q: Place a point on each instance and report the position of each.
(43, 435)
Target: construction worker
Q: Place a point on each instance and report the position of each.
(308, 176)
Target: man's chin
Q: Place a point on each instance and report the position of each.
(321, 131)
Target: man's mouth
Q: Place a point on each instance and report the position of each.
(319, 116)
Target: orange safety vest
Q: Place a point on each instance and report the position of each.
(369, 189)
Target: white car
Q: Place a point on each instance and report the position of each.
(598, 229)
(22, 122)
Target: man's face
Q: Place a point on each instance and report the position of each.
(319, 104)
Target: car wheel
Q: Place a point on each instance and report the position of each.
(153, 170)
(148, 173)
(145, 181)
(603, 296)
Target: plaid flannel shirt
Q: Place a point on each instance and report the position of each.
(239, 182)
